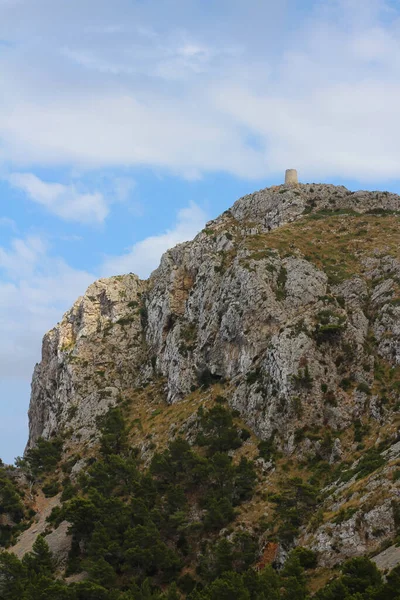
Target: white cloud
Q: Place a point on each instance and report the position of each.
(145, 255)
(139, 100)
(35, 290)
(332, 109)
(23, 256)
(170, 93)
(115, 130)
(65, 201)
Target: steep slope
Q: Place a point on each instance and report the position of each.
(288, 305)
(87, 359)
(260, 308)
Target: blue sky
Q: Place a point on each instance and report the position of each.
(125, 125)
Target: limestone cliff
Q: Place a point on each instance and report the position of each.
(291, 299)
(93, 353)
(242, 303)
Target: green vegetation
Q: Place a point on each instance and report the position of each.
(360, 430)
(126, 320)
(165, 532)
(51, 489)
(281, 284)
(329, 326)
(218, 433)
(188, 336)
(364, 388)
(360, 580)
(303, 379)
(331, 240)
(346, 384)
(254, 376)
(370, 461)
(345, 514)
(11, 507)
(44, 457)
(226, 575)
(266, 449)
(134, 528)
(199, 518)
(293, 506)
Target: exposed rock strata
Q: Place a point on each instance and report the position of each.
(304, 341)
(215, 306)
(93, 353)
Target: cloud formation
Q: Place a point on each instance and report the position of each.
(65, 201)
(35, 289)
(144, 256)
(318, 89)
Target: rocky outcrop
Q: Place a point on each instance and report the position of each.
(59, 540)
(87, 360)
(292, 299)
(226, 306)
(363, 514)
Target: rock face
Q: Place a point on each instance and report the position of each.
(365, 515)
(230, 305)
(87, 359)
(59, 540)
(292, 299)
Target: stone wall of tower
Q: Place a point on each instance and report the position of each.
(291, 177)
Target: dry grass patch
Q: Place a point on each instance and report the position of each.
(334, 243)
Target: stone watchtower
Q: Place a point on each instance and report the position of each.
(291, 177)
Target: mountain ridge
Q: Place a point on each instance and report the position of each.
(167, 290)
(286, 309)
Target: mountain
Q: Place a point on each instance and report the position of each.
(271, 341)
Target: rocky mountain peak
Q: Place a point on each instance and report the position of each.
(287, 308)
(239, 298)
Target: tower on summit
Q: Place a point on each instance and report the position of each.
(291, 177)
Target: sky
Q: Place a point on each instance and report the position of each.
(126, 125)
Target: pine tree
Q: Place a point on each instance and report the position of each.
(12, 577)
(40, 560)
(114, 433)
(172, 593)
(102, 572)
(223, 557)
